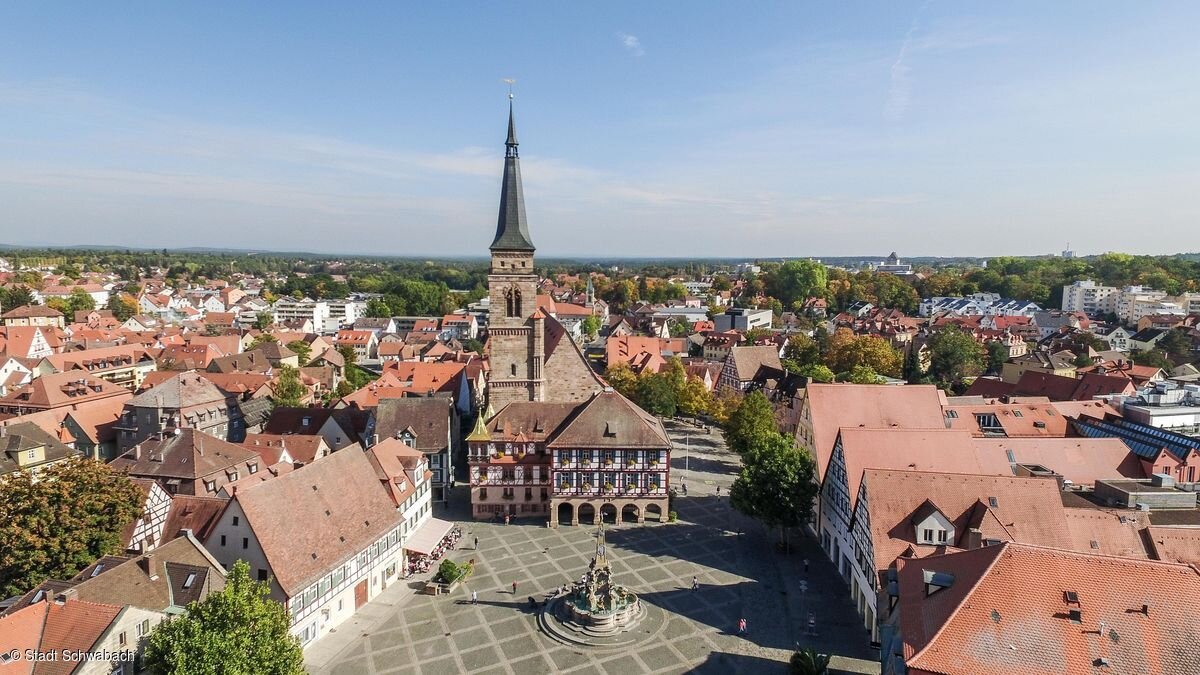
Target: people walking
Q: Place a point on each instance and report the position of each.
(474, 598)
(742, 626)
(695, 583)
(514, 588)
(476, 543)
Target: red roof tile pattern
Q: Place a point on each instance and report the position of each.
(1008, 610)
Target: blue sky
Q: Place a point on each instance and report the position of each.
(647, 129)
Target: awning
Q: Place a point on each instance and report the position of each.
(428, 536)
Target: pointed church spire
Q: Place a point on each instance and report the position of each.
(511, 144)
(512, 231)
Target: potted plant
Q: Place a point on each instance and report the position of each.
(586, 462)
(654, 486)
(564, 487)
(632, 462)
(608, 486)
(587, 487)
(654, 462)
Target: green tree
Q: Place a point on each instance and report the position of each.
(818, 372)
(303, 351)
(289, 391)
(696, 399)
(845, 350)
(122, 306)
(776, 485)
(56, 524)
(955, 355)
(348, 355)
(79, 301)
(239, 630)
(656, 395)
(260, 340)
(808, 661)
(796, 280)
(12, 297)
(800, 352)
(263, 320)
(591, 327)
(1176, 342)
(1151, 357)
(863, 375)
(751, 422)
(378, 308)
(622, 378)
(997, 354)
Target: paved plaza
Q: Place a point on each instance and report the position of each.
(740, 575)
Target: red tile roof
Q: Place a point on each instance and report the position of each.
(833, 406)
(73, 626)
(1007, 611)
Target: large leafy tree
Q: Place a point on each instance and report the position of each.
(795, 280)
(776, 485)
(1176, 342)
(1151, 357)
(845, 350)
(800, 352)
(752, 421)
(656, 395)
(122, 306)
(303, 351)
(56, 524)
(696, 398)
(239, 630)
(622, 378)
(955, 355)
(289, 391)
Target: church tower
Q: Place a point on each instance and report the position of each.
(516, 328)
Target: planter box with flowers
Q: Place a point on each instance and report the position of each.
(654, 487)
(608, 487)
(587, 487)
(654, 462)
(564, 487)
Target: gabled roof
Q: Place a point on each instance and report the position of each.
(62, 389)
(23, 436)
(73, 626)
(22, 631)
(344, 509)
(183, 390)
(196, 513)
(30, 311)
(610, 419)
(834, 406)
(187, 455)
(428, 417)
(1007, 611)
(1026, 509)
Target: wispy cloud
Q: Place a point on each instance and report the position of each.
(900, 90)
(631, 43)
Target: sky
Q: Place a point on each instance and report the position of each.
(664, 129)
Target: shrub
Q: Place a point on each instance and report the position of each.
(672, 517)
(450, 572)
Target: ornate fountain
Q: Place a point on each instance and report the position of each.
(597, 601)
(595, 611)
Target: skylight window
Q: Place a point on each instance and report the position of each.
(191, 579)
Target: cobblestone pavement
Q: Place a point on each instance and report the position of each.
(740, 575)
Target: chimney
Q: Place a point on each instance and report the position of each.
(146, 562)
(67, 595)
(974, 538)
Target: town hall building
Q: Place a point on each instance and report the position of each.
(561, 444)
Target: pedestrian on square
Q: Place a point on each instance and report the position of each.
(476, 543)
(695, 584)
(742, 626)
(474, 598)
(514, 588)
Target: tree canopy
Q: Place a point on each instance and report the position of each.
(752, 421)
(239, 630)
(56, 524)
(846, 350)
(954, 355)
(776, 485)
